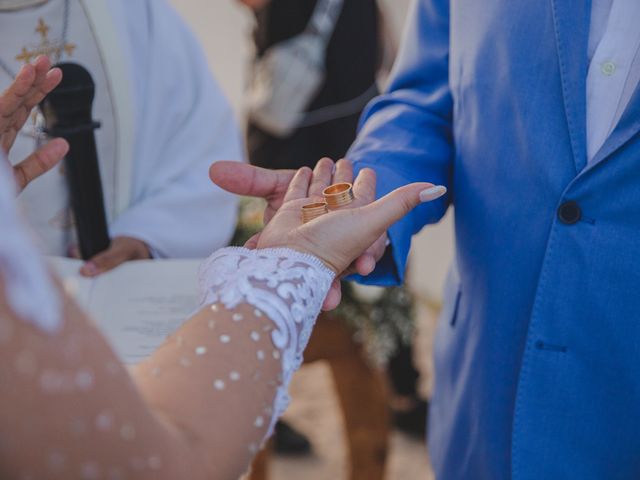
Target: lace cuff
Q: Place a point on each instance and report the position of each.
(287, 286)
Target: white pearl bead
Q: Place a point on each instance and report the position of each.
(104, 421)
(127, 432)
(218, 385)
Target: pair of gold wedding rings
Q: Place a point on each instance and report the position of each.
(335, 196)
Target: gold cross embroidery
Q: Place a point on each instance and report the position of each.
(43, 29)
(46, 46)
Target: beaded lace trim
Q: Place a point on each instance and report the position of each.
(288, 286)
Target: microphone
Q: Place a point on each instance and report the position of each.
(67, 113)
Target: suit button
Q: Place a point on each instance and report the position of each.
(570, 213)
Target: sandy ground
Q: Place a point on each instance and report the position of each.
(314, 411)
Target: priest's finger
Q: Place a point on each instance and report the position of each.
(41, 66)
(122, 249)
(7, 138)
(11, 131)
(343, 172)
(322, 174)
(40, 162)
(12, 98)
(51, 80)
(299, 186)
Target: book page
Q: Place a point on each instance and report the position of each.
(77, 286)
(138, 304)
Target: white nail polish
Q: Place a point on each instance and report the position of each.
(432, 193)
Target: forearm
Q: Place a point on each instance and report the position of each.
(84, 414)
(239, 352)
(200, 407)
(220, 395)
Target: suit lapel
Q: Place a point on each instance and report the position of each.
(627, 128)
(571, 22)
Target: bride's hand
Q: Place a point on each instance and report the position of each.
(31, 85)
(339, 237)
(272, 185)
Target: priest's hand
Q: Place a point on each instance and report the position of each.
(272, 185)
(122, 249)
(31, 85)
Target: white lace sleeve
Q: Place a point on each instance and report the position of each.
(287, 286)
(28, 285)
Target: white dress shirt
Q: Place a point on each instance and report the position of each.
(614, 67)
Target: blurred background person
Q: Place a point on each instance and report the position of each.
(353, 46)
(163, 121)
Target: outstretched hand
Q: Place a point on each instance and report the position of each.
(339, 237)
(30, 87)
(272, 185)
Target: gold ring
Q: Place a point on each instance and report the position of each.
(313, 210)
(338, 195)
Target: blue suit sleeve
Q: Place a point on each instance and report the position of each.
(406, 133)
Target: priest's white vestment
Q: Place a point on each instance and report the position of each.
(164, 121)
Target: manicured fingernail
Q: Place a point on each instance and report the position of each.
(432, 193)
(89, 268)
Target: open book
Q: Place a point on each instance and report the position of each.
(136, 305)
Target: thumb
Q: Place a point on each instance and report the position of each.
(243, 179)
(386, 211)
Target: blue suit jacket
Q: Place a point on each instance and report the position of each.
(538, 350)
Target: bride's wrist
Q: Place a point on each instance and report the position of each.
(297, 252)
(304, 249)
